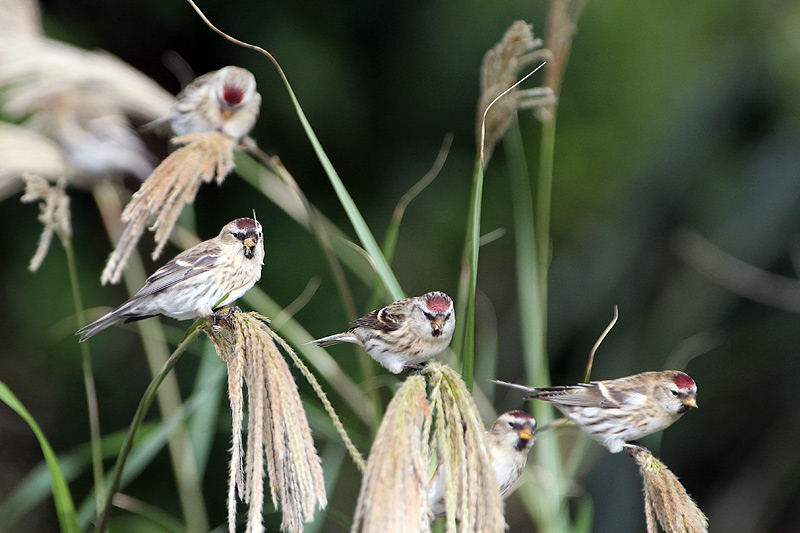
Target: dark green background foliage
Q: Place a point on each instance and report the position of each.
(673, 116)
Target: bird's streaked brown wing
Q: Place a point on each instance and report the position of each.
(581, 395)
(389, 318)
(192, 262)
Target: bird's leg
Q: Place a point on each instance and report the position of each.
(225, 317)
(416, 368)
(634, 447)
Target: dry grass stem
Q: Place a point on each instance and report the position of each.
(277, 427)
(173, 184)
(665, 498)
(53, 213)
(561, 24)
(499, 71)
(394, 491)
(472, 498)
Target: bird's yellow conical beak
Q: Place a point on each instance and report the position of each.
(526, 434)
(690, 402)
(438, 323)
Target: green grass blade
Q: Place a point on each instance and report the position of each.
(65, 508)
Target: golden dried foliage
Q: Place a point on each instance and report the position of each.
(472, 496)
(172, 185)
(432, 420)
(277, 428)
(499, 71)
(665, 498)
(394, 491)
(53, 213)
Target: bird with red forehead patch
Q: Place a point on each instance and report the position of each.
(224, 100)
(510, 439)
(616, 412)
(197, 282)
(404, 333)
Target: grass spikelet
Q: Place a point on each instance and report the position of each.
(394, 491)
(277, 427)
(53, 213)
(665, 498)
(499, 70)
(471, 495)
(173, 184)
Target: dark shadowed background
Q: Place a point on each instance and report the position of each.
(677, 119)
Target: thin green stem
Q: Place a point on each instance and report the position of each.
(473, 249)
(88, 378)
(138, 418)
(550, 504)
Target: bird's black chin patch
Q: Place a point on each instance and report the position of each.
(249, 252)
(522, 444)
(683, 408)
(436, 332)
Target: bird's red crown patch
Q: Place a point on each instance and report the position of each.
(682, 381)
(438, 303)
(520, 414)
(232, 95)
(245, 224)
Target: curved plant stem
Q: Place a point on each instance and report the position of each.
(88, 379)
(138, 418)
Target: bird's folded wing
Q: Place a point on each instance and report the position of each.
(185, 265)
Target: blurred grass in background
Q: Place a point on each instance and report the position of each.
(672, 116)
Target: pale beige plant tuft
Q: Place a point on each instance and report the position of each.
(394, 491)
(472, 496)
(501, 66)
(53, 213)
(277, 427)
(665, 498)
(173, 184)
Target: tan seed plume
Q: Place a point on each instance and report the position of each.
(665, 498)
(499, 71)
(53, 213)
(172, 185)
(278, 429)
(394, 491)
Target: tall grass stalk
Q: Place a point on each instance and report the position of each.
(88, 378)
(184, 465)
(138, 418)
(549, 503)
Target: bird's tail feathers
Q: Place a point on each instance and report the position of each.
(330, 340)
(109, 319)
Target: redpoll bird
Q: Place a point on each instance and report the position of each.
(207, 276)
(404, 333)
(224, 100)
(510, 439)
(617, 411)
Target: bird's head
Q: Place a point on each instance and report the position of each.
(247, 233)
(235, 87)
(677, 392)
(433, 315)
(514, 430)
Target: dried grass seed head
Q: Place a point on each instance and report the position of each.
(500, 69)
(665, 497)
(172, 185)
(54, 213)
(278, 429)
(394, 489)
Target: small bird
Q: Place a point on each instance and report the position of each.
(404, 333)
(617, 411)
(510, 438)
(207, 276)
(224, 100)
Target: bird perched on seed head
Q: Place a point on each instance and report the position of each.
(224, 100)
(404, 333)
(617, 411)
(510, 438)
(207, 276)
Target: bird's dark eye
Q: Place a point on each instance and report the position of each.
(511, 425)
(447, 316)
(427, 315)
(674, 392)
